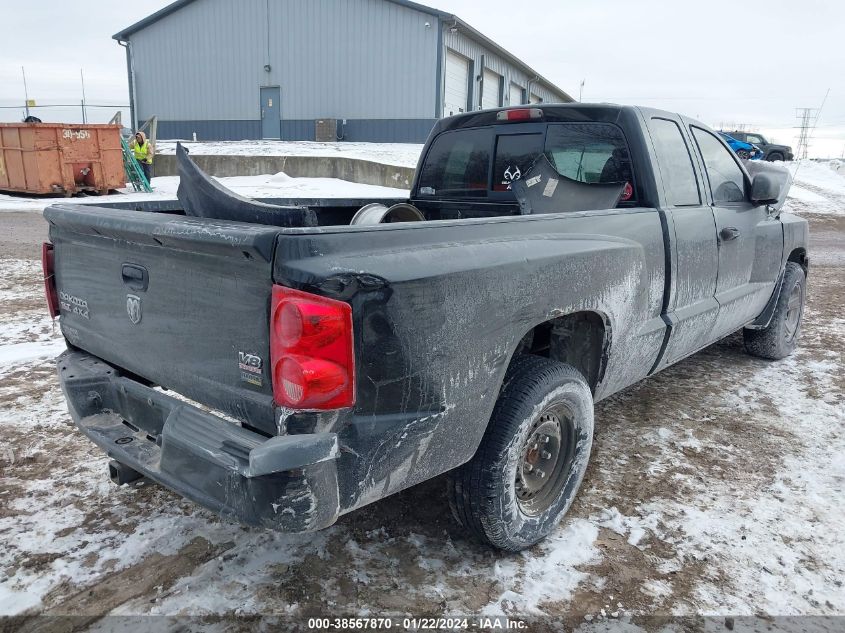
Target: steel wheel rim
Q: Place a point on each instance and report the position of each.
(793, 312)
(545, 460)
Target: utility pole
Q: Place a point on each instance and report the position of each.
(581, 90)
(809, 118)
(25, 92)
(82, 78)
(806, 116)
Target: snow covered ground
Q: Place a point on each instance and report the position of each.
(818, 187)
(401, 154)
(715, 488)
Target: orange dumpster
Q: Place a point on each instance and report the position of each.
(62, 159)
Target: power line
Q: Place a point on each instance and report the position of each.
(702, 98)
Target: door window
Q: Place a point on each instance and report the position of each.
(727, 181)
(755, 140)
(676, 166)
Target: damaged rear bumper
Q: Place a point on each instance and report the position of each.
(287, 482)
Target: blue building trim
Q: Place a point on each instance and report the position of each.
(388, 130)
(298, 130)
(361, 130)
(210, 130)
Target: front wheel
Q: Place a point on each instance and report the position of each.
(774, 157)
(533, 456)
(779, 339)
(743, 154)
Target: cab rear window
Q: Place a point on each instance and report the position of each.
(515, 153)
(458, 164)
(589, 152)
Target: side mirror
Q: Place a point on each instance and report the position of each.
(764, 190)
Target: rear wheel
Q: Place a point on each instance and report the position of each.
(531, 461)
(779, 339)
(743, 154)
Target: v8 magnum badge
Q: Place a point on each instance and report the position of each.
(251, 368)
(133, 308)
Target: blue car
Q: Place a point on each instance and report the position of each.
(744, 150)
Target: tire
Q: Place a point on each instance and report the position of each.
(500, 495)
(743, 154)
(779, 339)
(774, 156)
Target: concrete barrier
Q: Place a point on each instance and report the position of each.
(351, 169)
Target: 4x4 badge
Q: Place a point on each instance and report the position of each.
(133, 308)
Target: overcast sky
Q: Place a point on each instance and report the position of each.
(723, 62)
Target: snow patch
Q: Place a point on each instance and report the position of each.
(400, 154)
(22, 352)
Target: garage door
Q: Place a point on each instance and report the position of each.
(491, 96)
(515, 95)
(457, 84)
(534, 99)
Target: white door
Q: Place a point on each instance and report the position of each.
(456, 94)
(491, 96)
(515, 95)
(534, 99)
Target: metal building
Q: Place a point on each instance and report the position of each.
(358, 70)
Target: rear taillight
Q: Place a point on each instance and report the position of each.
(520, 114)
(49, 279)
(311, 351)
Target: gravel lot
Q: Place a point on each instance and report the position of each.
(715, 488)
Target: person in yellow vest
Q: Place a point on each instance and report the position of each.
(143, 153)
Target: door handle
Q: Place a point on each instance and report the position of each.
(135, 276)
(729, 233)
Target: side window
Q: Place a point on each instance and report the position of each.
(457, 164)
(514, 155)
(756, 140)
(676, 165)
(727, 181)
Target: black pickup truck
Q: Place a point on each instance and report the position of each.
(771, 151)
(286, 372)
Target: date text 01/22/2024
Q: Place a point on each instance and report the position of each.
(419, 624)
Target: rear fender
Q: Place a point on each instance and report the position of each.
(439, 309)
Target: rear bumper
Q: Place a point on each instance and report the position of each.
(287, 483)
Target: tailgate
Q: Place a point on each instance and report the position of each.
(180, 302)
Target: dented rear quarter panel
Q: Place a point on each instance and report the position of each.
(439, 308)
